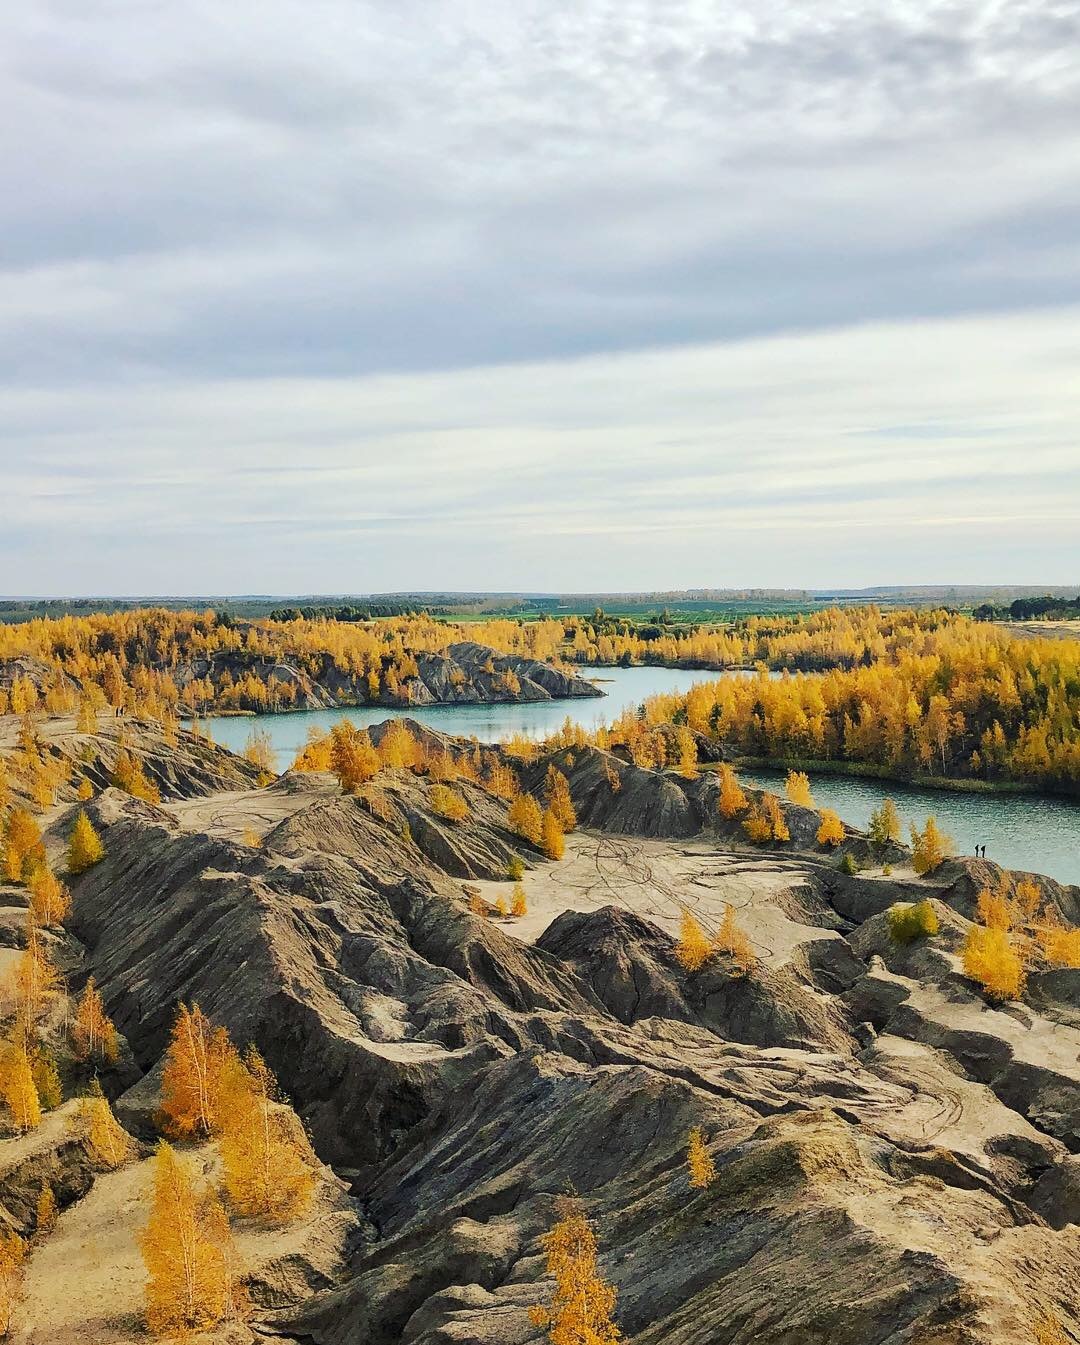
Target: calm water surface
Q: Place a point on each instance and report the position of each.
(623, 687)
(1020, 831)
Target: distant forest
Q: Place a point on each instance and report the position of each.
(1046, 608)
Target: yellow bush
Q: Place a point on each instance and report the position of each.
(448, 803)
(693, 949)
(732, 940)
(930, 847)
(1061, 947)
(995, 910)
(732, 800)
(831, 831)
(990, 958)
(699, 1160)
(797, 788)
(912, 920)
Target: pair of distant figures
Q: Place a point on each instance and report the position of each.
(980, 852)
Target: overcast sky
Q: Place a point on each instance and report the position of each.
(336, 295)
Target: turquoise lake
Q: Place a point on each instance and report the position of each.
(1020, 831)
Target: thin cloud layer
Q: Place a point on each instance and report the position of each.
(349, 279)
(872, 455)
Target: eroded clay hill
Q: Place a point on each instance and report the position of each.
(897, 1161)
(468, 673)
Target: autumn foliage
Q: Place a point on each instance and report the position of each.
(93, 1035)
(733, 941)
(84, 846)
(991, 958)
(108, 1142)
(12, 1259)
(581, 1306)
(268, 1172)
(193, 1279)
(551, 835)
(831, 830)
(196, 1065)
(17, 1086)
(910, 920)
(526, 818)
(930, 847)
(694, 947)
(732, 800)
(797, 788)
(699, 1160)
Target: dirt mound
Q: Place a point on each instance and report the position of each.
(892, 1154)
(468, 673)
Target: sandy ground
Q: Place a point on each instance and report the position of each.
(656, 879)
(84, 1283)
(231, 813)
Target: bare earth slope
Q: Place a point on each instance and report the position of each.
(896, 1160)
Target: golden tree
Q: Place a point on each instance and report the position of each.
(797, 788)
(268, 1173)
(12, 1258)
(990, 958)
(192, 1081)
(693, 949)
(50, 900)
(84, 846)
(524, 817)
(930, 848)
(46, 1076)
(129, 775)
(774, 815)
(45, 1210)
(108, 1142)
(17, 1084)
(734, 941)
(260, 752)
(34, 980)
(22, 844)
(908, 920)
(1061, 947)
(186, 1249)
(352, 758)
(831, 831)
(85, 791)
(87, 721)
(884, 824)
(519, 905)
(732, 800)
(551, 835)
(699, 1160)
(398, 749)
(581, 1307)
(687, 750)
(995, 909)
(557, 793)
(448, 803)
(93, 1035)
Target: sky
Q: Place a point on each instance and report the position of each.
(304, 296)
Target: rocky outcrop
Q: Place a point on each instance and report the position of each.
(892, 1154)
(188, 767)
(466, 674)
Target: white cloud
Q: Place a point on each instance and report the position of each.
(902, 452)
(712, 292)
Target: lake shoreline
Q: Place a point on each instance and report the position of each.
(946, 784)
